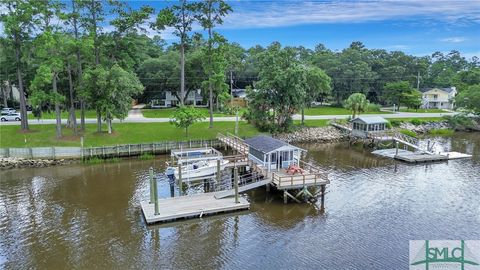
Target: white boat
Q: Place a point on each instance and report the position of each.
(196, 170)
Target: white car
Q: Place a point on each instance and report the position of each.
(8, 110)
(10, 117)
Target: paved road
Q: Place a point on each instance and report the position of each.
(135, 116)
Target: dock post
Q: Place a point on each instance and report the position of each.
(218, 170)
(155, 196)
(396, 148)
(323, 195)
(235, 175)
(285, 198)
(179, 179)
(152, 196)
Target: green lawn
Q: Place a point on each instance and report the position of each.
(166, 113)
(51, 115)
(125, 133)
(427, 119)
(313, 123)
(424, 110)
(334, 111)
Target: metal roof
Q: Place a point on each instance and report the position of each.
(265, 144)
(447, 89)
(370, 119)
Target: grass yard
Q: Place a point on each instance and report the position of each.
(425, 119)
(313, 123)
(125, 133)
(423, 110)
(51, 115)
(334, 111)
(166, 113)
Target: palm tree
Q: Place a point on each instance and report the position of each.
(356, 102)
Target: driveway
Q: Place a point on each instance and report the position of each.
(136, 116)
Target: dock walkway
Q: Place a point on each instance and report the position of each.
(418, 157)
(191, 206)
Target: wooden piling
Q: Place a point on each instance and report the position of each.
(218, 170)
(150, 173)
(155, 196)
(235, 172)
(180, 179)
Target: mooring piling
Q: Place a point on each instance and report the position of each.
(150, 173)
(179, 178)
(235, 172)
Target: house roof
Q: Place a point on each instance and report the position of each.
(370, 119)
(265, 144)
(446, 89)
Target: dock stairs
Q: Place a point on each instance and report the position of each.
(392, 135)
(231, 192)
(405, 140)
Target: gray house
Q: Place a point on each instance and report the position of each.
(363, 125)
(271, 153)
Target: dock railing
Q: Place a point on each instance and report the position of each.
(123, 150)
(312, 176)
(234, 142)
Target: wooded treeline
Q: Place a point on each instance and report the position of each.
(73, 55)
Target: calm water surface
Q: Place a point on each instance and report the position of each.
(88, 216)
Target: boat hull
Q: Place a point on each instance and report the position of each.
(198, 173)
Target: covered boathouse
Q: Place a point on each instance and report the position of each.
(271, 153)
(362, 126)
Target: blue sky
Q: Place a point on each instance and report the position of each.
(418, 27)
(413, 26)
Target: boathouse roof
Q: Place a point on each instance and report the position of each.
(266, 144)
(370, 119)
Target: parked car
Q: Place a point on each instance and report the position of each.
(8, 110)
(10, 117)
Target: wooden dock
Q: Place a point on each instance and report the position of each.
(418, 157)
(234, 142)
(191, 206)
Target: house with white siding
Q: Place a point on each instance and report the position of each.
(439, 98)
(169, 99)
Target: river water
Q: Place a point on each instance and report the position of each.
(88, 216)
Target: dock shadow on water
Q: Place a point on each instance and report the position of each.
(87, 216)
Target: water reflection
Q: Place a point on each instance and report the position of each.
(88, 216)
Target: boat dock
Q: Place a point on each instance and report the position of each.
(307, 183)
(372, 132)
(191, 206)
(418, 157)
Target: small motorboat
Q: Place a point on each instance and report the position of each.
(196, 170)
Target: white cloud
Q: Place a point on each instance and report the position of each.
(284, 13)
(454, 39)
(398, 47)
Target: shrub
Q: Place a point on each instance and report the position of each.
(460, 122)
(389, 125)
(417, 122)
(395, 123)
(372, 107)
(408, 132)
(441, 132)
(146, 156)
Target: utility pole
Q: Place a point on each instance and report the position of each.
(418, 80)
(231, 88)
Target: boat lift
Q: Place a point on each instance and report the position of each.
(183, 157)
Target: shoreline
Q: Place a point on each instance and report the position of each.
(325, 134)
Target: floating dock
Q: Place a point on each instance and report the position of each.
(191, 206)
(418, 157)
